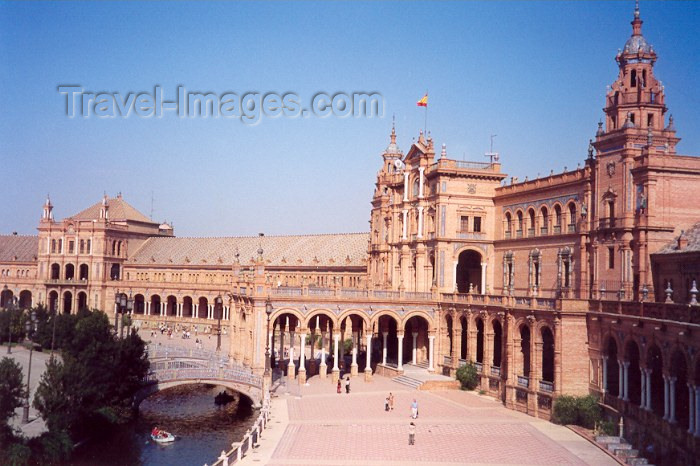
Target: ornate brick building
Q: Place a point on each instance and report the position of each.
(556, 285)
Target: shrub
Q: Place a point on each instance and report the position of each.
(580, 410)
(565, 410)
(468, 376)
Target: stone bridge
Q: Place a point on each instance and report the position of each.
(173, 366)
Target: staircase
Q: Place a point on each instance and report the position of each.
(622, 450)
(408, 381)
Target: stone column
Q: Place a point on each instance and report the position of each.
(148, 308)
(414, 350)
(336, 343)
(605, 374)
(431, 349)
(353, 366)
(195, 310)
(625, 372)
(420, 182)
(405, 224)
(385, 335)
(399, 337)
(280, 355)
(666, 398)
(483, 278)
(691, 409)
(302, 358)
(323, 367)
(672, 400)
(290, 367)
(405, 185)
(368, 366)
(643, 385)
(620, 380)
(648, 387)
(163, 307)
(697, 411)
(420, 222)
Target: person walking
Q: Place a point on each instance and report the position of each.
(391, 401)
(347, 385)
(411, 434)
(339, 390)
(386, 404)
(414, 409)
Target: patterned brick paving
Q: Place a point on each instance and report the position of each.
(453, 428)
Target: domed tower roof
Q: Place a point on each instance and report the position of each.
(393, 148)
(637, 44)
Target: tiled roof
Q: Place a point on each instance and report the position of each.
(348, 249)
(693, 237)
(18, 248)
(119, 209)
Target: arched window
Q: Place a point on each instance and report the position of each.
(633, 78)
(519, 230)
(544, 225)
(55, 271)
(572, 218)
(531, 222)
(509, 225)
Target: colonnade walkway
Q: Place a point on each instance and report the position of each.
(314, 425)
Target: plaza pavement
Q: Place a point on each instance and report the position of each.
(20, 354)
(313, 425)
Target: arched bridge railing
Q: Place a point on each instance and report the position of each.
(172, 366)
(228, 374)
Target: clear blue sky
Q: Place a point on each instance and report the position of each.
(535, 73)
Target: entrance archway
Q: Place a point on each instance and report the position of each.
(139, 304)
(613, 368)
(469, 272)
(547, 355)
(389, 344)
(656, 364)
(82, 300)
(415, 342)
(53, 301)
(67, 302)
(634, 392)
(25, 299)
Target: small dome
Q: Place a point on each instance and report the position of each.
(165, 226)
(637, 44)
(393, 148)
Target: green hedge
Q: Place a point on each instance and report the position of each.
(468, 376)
(580, 410)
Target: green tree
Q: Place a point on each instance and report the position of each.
(468, 376)
(12, 392)
(97, 378)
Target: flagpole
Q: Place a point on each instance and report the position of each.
(425, 124)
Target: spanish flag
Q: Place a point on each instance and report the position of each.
(424, 101)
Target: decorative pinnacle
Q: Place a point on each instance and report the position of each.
(636, 9)
(393, 129)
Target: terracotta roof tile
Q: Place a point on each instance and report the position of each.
(693, 237)
(119, 209)
(348, 249)
(18, 248)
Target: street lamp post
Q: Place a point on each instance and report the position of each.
(10, 306)
(55, 318)
(124, 304)
(219, 309)
(30, 327)
(268, 311)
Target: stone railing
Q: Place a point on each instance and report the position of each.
(232, 374)
(447, 361)
(479, 367)
(495, 371)
(663, 311)
(250, 440)
(173, 352)
(547, 387)
(523, 381)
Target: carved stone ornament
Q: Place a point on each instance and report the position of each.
(610, 167)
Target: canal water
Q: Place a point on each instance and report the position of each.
(202, 430)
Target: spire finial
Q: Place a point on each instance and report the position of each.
(636, 22)
(636, 9)
(393, 129)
